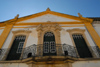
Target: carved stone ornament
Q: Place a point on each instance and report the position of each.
(49, 27)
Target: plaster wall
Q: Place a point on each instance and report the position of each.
(13, 65)
(48, 17)
(52, 65)
(33, 36)
(97, 28)
(8, 40)
(37, 65)
(75, 64)
(86, 64)
(65, 36)
(95, 63)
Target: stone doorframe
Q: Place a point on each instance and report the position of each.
(42, 29)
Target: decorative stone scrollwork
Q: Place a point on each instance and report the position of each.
(48, 27)
(39, 27)
(42, 29)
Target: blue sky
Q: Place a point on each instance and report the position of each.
(10, 8)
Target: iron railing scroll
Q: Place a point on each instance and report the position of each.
(37, 51)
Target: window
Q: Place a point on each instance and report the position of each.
(81, 43)
(81, 46)
(20, 47)
(16, 48)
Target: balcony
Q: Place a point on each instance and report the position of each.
(62, 50)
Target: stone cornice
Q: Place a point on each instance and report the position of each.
(76, 29)
(21, 31)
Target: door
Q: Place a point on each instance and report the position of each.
(49, 46)
(16, 49)
(81, 46)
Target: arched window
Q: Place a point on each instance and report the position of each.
(16, 48)
(81, 46)
(49, 46)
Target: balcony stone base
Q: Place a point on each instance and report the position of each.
(50, 61)
(51, 65)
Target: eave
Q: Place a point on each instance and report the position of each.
(48, 11)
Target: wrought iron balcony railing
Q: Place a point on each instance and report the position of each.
(38, 51)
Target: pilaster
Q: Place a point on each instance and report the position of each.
(8, 26)
(4, 34)
(93, 33)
